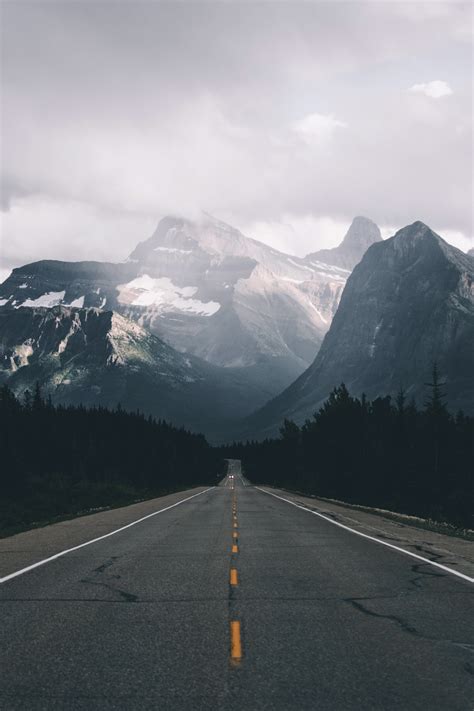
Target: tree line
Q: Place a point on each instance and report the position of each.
(59, 460)
(384, 453)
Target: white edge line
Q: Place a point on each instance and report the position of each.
(371, 538)
(94, 540)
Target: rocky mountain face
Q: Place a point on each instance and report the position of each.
(98, 357)
(77, 284)
(409, 303)
(206, 290)
(361, 235)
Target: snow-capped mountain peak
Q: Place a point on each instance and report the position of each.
(206, 289)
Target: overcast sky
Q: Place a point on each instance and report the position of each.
(285, 119)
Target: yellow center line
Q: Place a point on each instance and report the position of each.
(235, 641)
(235, 631)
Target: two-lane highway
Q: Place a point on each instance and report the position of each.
(236, 599)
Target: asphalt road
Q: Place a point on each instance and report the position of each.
(235, 599)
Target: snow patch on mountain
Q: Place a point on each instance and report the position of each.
(338, 271)
(374, 339)
(21, 354)
(79, 303)
(164, 296)
(173, 250)
(48, 300)
(295, 264)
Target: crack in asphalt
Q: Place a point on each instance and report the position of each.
(444, 558)
(106, 565)
(421, 574)
(405, 626)
(408, 628)
(429, 572)
(126, 596)
(225, 598)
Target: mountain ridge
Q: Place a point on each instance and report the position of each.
(96, 357)
(205, 289)
(407, 304)
(361, 234)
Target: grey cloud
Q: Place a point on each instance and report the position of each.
(145, 108)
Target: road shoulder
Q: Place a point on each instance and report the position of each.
(28, 547)
(453, 552)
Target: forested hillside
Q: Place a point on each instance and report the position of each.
(57, 461)
(375, 453)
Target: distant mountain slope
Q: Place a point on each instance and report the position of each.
(206, 289)
(361, 235)
(408, 303)
(99, 357)
(231, 300)
(79, 284)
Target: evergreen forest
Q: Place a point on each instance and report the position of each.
(382, 453)
(57, 461)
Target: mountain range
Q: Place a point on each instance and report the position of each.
(100, 358)
(205, 326)
(208, 291)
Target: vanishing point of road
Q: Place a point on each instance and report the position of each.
(233, 598)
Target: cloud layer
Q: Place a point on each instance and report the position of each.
(114, 114)
(434, 89)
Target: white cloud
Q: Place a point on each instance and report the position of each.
(302, 235)
(460, 240)
(434, 89)
(317, 128)
(298, 234)
(455, 237)
(4, 274)
(39, 227)
(174, 108)
(389, 230)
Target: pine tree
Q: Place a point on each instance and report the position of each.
(37, 398)
(27, 399)
(437, 420)
(435, 404)
(401, 401)
(290, 431)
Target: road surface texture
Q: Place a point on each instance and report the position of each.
(232, 598)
